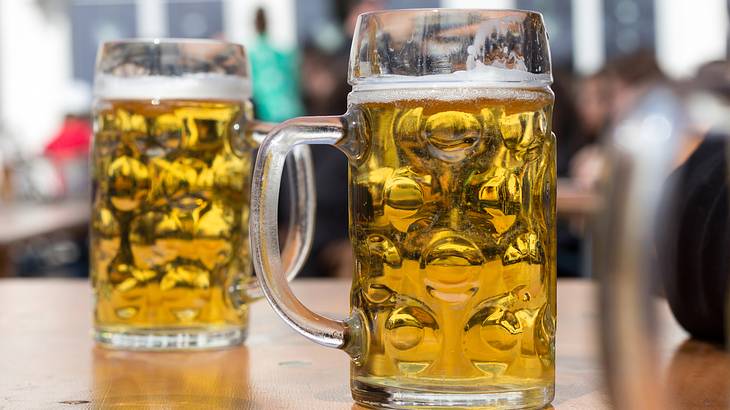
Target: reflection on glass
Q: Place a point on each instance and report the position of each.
(209, 379)
(665, 231)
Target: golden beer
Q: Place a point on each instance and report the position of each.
(452, 211)
(169, 236)
(451, 220)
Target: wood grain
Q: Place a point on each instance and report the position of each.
(48, 360)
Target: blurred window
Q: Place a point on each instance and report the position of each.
(629, 26)
(93, 22)
(318, 18)
(312, 16)
(409, 4)
(196, 19)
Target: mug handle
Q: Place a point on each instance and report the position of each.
(291, 136)
(300, 232)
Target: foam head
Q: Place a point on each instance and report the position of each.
(482, 82)
(186, 87)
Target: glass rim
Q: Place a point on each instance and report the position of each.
(373, 65)
(458, 10)
(183, 82)
(170, 40)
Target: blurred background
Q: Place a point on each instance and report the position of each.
(607, 54)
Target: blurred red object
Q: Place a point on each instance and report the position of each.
(68, 151)
(72, 140)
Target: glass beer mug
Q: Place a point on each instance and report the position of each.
(452, 210)
(171, 169)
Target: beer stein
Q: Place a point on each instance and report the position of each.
(451, 211)
(171, 168)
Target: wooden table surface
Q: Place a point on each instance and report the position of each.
(48, 360)
(21, 221)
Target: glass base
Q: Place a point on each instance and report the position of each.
(390, 397)
(169, 339)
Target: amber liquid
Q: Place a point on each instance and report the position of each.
(169, 237)
(452, 222)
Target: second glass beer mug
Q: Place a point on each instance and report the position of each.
(173, 147)
(452, 210)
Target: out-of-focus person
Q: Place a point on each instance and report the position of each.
(592, 102)
(569, 141)
(325, 89)
(59, 173)
(693, 229)
(325, 59)
(68, 148)
(593, 108)
(324, 80)
(604, 100)
(565, 126)
(72, 138)
(275, 77)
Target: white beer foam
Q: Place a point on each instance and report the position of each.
(439, 91)
(192, 87)
(480, 82)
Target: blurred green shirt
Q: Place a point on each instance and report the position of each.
(275, 82)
